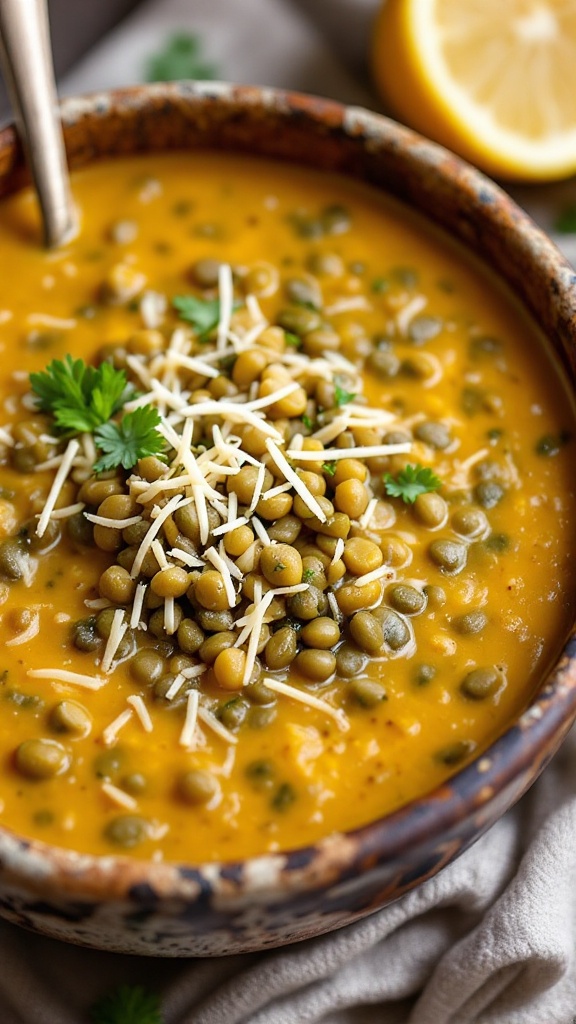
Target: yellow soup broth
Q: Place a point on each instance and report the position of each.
(156, 698)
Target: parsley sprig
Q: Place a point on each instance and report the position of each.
(80, 397)
(128, 1004)
(202, 314)
(410, 482)
(341, 396)
(133, 438)
(181, 56)
(85, 399)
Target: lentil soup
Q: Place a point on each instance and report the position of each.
(325, 555)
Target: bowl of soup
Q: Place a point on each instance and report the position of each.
(287, 543)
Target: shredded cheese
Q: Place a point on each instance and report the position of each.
(226, 291)
(137, 703)
(367, 451)
(163, 514)
(192, 711)
(213, 723)
(67, 511)
(307, 698)
(114, 524)
(60, 675)
(110, 734)
(117, 631)
(31, 631)
(119, 796)
(57, 484)
(218, 562)
(366, 516)
(137, 605)
(289, 474)
(375, 574)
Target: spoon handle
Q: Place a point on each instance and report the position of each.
(27, 63)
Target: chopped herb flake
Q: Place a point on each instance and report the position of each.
(203, 314)
(292, 339)
(128, 1004)
(410, 482)
(133, 438)
(342, 397)
(180, 57)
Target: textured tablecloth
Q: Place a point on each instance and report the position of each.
(492, 938)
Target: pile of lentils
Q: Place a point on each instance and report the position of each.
(332, 627)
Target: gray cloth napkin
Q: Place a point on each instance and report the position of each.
(492, 938)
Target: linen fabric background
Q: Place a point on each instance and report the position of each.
(492, 938)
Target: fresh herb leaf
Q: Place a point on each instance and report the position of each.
(292, 339)
(180, 57)
(203, 314)
(128, 1004)
(410, 482)
(133, 438)
(329, 468)
(78, 396)
(307, 422)
(380, 285)
(341, 396)
(566, 220)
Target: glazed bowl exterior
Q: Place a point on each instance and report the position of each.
(127, 905)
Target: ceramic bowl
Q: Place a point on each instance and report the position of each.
(116, 903)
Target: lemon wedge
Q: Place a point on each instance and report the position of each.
(493, 80)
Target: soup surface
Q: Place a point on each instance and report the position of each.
(285, 511)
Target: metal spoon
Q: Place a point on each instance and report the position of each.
(26, 59)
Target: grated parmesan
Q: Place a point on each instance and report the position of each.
(117, 631)
(137, 703)
(289, 474)
(111, 731)
(119, 796)
(213, 723)
(189, 727)
(307, 698)
(137, 605)
(60, 675)
(57, 484)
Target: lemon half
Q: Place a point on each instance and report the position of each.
(493, 80)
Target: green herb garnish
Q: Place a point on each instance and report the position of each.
(380, 285)
(203, 314)
(566, 220)
(78, 396)
(307, 422)
(342, 397)
(308, 575)
(292, 339)
(180, 57)
(410, 482)
(129, 1004)
(133, 438)
(84, 399)
(329, 467)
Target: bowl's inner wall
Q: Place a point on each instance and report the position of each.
(321, 134)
